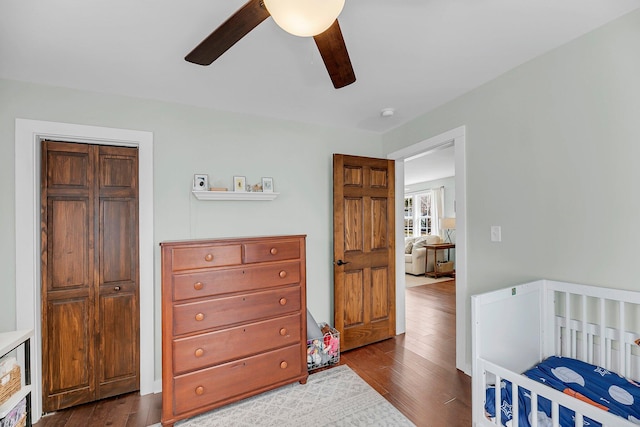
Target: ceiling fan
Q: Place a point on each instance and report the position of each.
(316, 18)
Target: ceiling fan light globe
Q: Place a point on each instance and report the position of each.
(304, 18)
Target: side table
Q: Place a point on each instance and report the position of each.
(435, 248)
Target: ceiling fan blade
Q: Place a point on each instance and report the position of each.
(335, 56)
(229, 33)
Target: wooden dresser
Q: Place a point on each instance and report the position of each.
(233, 321)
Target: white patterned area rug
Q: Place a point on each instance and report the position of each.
(334, 397)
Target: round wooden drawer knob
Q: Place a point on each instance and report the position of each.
(283, 301)
(283, 365)
(199, 390)
(199, 352)
(200, 317)
(273, 251)
(208, 257)
(283, 331)
(283, 274)
(198, 286)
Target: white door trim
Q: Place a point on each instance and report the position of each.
(458, 137)
(28, 135)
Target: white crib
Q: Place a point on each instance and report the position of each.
(517, 327)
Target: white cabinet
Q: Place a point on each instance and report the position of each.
(10, 341)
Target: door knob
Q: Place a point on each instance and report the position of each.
(341, 262)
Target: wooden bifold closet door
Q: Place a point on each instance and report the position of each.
(90, 273)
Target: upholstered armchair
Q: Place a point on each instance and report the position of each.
(415, 253)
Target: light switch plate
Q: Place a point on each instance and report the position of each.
(496, 233)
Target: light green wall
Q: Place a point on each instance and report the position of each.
(190, 140)
(552, 155)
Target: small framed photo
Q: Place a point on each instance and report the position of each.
(239, 183)
(200, 182)
(267, 185)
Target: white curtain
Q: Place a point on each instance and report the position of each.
(437, 210)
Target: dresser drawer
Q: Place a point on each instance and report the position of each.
(237, 279)
(223, 382)
(218, 347)
(214, 313)
(271, 251)
(206, 256)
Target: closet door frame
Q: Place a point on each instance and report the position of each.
(28, 134)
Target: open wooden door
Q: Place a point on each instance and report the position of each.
(363, 249)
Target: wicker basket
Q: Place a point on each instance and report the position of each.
(9, 384)
(444, 266)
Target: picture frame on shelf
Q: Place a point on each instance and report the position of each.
(240, 183)
(200, 182)
(267, 185)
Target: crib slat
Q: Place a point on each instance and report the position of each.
(585, 340)
(578, 419)
(567, 315)
(515, 407)
(602, 325)
(555, 414)
(534, 407)
(498, 399)
(622, 365)
(627, 354)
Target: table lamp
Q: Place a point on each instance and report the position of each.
(448, 224)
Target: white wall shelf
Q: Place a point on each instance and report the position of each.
(234, 195)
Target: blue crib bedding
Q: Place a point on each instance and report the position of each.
(592, 384)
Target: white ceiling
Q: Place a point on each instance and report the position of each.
(433, 165)
(410, 55)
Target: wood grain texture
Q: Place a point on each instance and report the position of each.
(335, 56)
(229, 33)
(363, 228)
(414, 371)
(268, 307)
(90, 275)
(128, 410)
(117, 302)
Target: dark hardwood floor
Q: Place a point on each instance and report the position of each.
(415, 372)
(128, 410)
